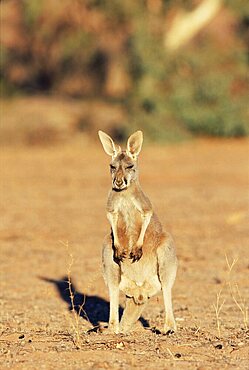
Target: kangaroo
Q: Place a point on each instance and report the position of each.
(138, 257)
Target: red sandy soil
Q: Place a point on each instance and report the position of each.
(54, 195)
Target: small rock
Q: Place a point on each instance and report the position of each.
(218, 346)
(178, 355)
(22, 336)
(217, 280)
(120, 345)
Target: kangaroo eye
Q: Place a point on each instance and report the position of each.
(130, 167)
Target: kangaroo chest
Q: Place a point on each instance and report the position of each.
(129, 216)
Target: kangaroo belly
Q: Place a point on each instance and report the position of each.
(139, 280)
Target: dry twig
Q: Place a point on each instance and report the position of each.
(235, 292)
(76, 312)
(217, 308)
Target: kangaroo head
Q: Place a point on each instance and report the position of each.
(123, 164)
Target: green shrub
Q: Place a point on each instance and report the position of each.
(204, 99)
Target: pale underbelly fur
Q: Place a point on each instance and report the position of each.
(139, 279)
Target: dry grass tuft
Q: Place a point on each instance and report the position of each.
(76, 310)
(234, 292)
(218, 307)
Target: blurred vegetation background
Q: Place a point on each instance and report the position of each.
(174, 68)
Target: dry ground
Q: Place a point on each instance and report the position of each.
(54, 195)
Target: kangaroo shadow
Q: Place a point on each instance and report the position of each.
(91, 307)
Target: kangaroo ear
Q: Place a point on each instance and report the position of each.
(108, 144)
(134, 144)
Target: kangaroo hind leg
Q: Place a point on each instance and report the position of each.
(111, 272)
(167, 267)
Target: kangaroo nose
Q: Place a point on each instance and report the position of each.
(119, 182)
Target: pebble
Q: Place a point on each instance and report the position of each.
(120, 345)
(218, 346)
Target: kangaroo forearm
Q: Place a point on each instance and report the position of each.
(146, 220)
(113, 219)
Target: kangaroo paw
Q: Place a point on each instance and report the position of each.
(119, 255)
(136, 254)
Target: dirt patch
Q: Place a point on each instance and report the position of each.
(54, 195)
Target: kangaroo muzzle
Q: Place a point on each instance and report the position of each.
(119, 183)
